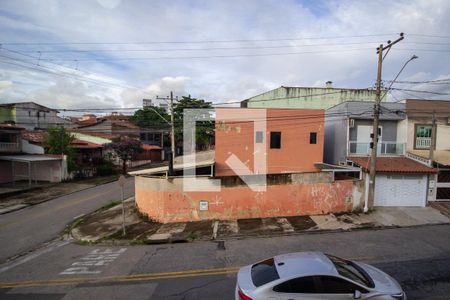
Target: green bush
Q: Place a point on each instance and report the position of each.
(105, 169)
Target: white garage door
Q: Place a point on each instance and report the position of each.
(400, 190)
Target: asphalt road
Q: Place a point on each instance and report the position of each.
(419, 258)
(24, 230)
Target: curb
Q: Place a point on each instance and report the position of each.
(39, 202)
(177, 239)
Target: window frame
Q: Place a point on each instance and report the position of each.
(416, 126)
(272, 133)
(311, 139)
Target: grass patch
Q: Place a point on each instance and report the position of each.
(110, 204)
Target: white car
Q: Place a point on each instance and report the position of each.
(314, 275)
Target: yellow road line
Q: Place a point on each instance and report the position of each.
(93, 280)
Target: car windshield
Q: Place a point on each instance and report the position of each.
(349, 270)
(264, 272)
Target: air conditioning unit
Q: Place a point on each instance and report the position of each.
(351, 123)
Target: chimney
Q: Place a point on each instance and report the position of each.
(329, 84)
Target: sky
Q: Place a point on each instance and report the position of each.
(113, 53)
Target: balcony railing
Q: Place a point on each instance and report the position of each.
(423, 142)
(383, 148)
(9, 147)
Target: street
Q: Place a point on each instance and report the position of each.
(418, 257)
(31, 227)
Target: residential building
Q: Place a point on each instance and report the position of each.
(308, 97)
(31, 115)
(285, 149)
(400, 181)
(20, 161)
(418, 128)
(113, 125)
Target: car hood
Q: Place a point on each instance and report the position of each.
(383, 282)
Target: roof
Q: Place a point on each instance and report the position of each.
(28, 102)
(201, 159)
(364, 110)
(30, 157)
(398, 164)
(79, 144)
(10, 126)
(442, 157)
(151, 147)
(34, 136)
(91, 138)
(304, 264)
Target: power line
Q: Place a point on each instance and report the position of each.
(198, 41)
(420, 91)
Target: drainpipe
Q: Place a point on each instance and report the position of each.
(366, 194)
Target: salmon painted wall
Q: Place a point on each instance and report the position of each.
(296, 153)
(164, 200)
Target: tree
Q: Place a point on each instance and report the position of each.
(58, 141)
(149, 117)
(125, 149)
(204, 129)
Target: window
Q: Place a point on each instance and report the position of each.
(275, 140)
(301, 285)
(351, 271)
(313, 137)
(335, 285)
(423, 136)
(258, 137)
(143, 136)
(264, 272)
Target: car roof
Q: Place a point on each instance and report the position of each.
(304, 264)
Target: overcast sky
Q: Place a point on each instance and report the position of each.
(113, 53)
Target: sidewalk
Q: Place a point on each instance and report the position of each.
(21, 196)
(105, 225)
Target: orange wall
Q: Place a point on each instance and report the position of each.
(165, 202)
(296, 153)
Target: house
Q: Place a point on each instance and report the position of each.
(418, 127)
(400, 181)
(308, 97)
(113, 125)
(31, 115)
(18, 161)
(261, 167)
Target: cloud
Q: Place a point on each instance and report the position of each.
(134, 74)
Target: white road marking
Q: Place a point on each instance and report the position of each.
(90, 263)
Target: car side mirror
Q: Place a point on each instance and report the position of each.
(357, 294)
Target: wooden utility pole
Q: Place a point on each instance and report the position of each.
(376, 120)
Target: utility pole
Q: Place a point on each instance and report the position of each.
(376, 120)
(172, 133)
(433, 139)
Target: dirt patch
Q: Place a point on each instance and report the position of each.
(271, 225)
(199, 230)
(136, 231)
(250, 226)
(301, 222)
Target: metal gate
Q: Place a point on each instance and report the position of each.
(443, 185)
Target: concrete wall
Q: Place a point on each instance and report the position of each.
(40, 171)
(164, 200)
(296, 153)
(335, 139)
(442, 132)
(311, 98)
(388, 129)
(29, 148)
